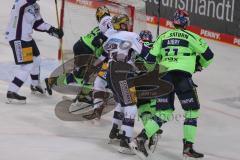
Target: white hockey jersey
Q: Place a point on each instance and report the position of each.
(105, 24)
(119, 45)
(25, 17)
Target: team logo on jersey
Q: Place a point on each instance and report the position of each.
(115, 43)
(34, 10)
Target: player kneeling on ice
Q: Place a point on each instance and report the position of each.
(25, 17)
(119, 47)
(91, 43)
(182, 53)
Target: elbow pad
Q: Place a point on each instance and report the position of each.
(208, 54)
(206, 57)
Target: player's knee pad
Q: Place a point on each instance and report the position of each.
(130, 111)
(24, 71)
(187, 95)
(27, 67)
(189, 100)
(165, 102)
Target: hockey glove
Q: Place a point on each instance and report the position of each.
(198, 67)
(31, 1)
(58, 33)
(99, 40)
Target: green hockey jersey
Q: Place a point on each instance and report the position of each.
(177, 49)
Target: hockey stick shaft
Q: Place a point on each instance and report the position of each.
(90, 105)
(158, 27)
(60, 25)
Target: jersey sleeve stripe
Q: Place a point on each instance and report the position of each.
(20, 21)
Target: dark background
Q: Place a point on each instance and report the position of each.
(205, 22)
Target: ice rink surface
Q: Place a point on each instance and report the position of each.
(32, 131)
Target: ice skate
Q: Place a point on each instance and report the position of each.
(37, 90)
(139, 146)
(13, 97)
(124, 146)
(189, 153)
(97, 112)
(114, 135)
(49, 82)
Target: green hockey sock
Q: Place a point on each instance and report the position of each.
(189, 133)
(190, 125)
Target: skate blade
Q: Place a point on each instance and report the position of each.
(38, 93)
(138, 153)
(127, 151)
(113, 141)
(186, 157)
(15, 101)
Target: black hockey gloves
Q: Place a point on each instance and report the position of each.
(31, 1)
(58, 33)
(198, 67)
(99, 40)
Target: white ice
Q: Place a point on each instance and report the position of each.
(32, 131)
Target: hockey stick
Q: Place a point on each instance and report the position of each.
(90, 105)
(60, 25)
(158, 27)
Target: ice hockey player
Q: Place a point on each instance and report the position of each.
(147, 38)
(147, 108)
(90, 43)
(118, 47)
(183, 53)
(25, 17)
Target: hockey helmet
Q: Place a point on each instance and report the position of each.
(120, 22)
(146, 36)
(181, 18)
(101, 12)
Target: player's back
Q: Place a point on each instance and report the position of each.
(178, 49)
(121, 42)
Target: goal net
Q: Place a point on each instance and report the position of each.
(79, 18)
